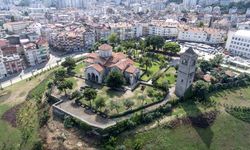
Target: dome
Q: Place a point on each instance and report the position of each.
(105, 50)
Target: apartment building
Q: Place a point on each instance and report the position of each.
(36, 53)
(238, 43)
(166, 28)
(3, 72)
(202, 35)
(16, 27)
(124, 30)
(13, 63)
(72, 38)
(102, 32)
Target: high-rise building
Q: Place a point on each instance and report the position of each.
(189, 3)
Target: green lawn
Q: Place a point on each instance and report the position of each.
(14, 95)
(79, 69)
(169, 76)
(234, 97)
(151, 71)
(226, 133)
(149, 95)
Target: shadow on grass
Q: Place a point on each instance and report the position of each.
(201, 124)
(112, 93)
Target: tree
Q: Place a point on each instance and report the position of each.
(145, 62)
(113, 38)
(69, 63)
(64, 85)
(60, 75)
(200, 24)
(200, 90)
(115, 79)
(128, 103)
(115, 105)
(89, 94)
(100, 103)
(171, 47)
(155, 41)
(205, 65)
(217, 60)
(12, 19)
(162, 61)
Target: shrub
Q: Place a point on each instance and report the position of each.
(68, 122)
(150, 92)
(128, 103)
(138, 145)
(44, 117)
(75, 94)
(148, 118)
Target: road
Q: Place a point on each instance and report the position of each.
(31, 71)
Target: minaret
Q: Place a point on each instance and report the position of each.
(186, 72)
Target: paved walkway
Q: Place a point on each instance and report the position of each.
(85, 115)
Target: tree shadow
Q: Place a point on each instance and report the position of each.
(201, 123)
(115, 93)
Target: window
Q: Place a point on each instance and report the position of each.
(184, 62)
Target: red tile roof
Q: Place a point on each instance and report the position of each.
(41, 41)
(97, 67)
(207, 78)
(123, 64)
(131, 69)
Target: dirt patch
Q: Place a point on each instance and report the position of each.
(56, 137)
(10, 115)
(4, 95)
(201, 121)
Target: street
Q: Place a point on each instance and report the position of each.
(54, 61)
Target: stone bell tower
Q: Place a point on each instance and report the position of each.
(186, 71)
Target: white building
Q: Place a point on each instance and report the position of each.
(202, 35)
(238, 43)
(164, 28)
(124, 30)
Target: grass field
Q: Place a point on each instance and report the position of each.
(79, 69)
(139, 97)
(151, 71)
(169, 76)
(16, 94)
(234, 97)
(227, 131)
